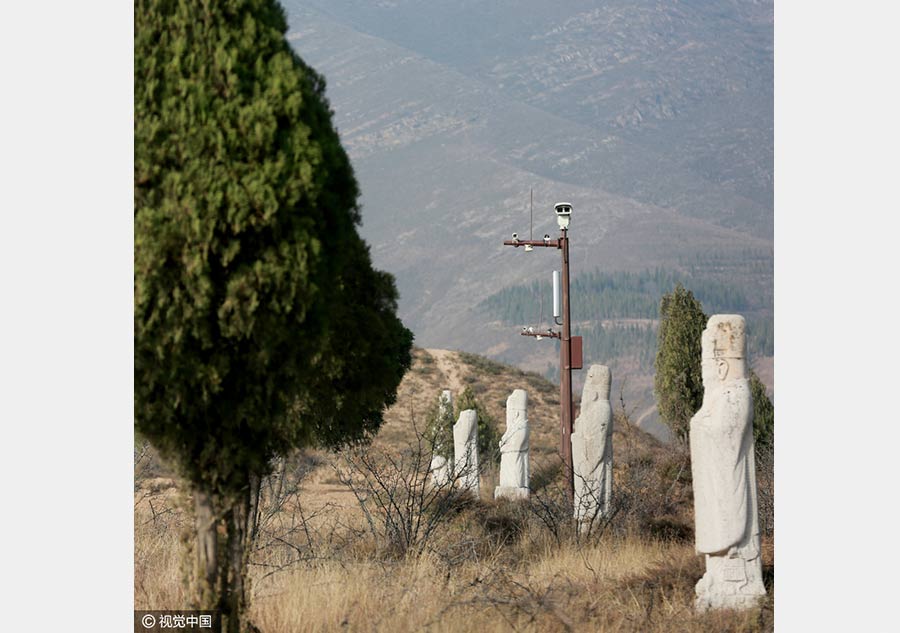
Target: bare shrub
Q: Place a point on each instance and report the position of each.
(515, 600)
(286, 532)
(550, 503)
(402, 507)
(652, 484)
(545, 473)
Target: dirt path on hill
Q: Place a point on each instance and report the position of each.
(449, 366)
(644, 415)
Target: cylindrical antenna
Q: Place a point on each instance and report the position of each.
(557, 311)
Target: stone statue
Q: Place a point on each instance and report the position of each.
(592, 449)
(465, 444)
(514, 449)
(440, 467)
(724, 474)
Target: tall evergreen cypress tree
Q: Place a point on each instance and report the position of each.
(260, 324)
(677, 384)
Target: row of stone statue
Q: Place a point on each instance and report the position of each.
(591, 449)
(722, 463)
(513, 450)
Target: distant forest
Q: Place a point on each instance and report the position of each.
(601, 296)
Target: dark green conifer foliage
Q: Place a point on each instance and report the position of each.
(678, 385)
(763, 413)
(439, 422)
(439, 427)
(260, 324)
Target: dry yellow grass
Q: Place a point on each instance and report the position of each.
(532, 584)
(492, 567)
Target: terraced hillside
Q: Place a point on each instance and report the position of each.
(654, 118)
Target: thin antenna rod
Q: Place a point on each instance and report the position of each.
(531, 224)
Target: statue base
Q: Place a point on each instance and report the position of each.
(730, 583)
(510, 492)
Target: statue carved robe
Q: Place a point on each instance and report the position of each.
(514, 446)
(592, 448)
(724, 475)
(465, 443)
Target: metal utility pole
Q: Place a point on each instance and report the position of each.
(569, 358)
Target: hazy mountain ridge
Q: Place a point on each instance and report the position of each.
(653, 118)
(681, 91)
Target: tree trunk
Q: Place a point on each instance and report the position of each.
(241, 527)
(253, 514)
(225, 586)
(206, 554)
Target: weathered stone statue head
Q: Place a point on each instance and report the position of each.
(516, 436)
(596, 385)
(724, 350)
(446, 401)
(517, 401)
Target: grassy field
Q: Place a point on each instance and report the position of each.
(409, 558)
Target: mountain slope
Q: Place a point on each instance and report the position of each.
(654, 118)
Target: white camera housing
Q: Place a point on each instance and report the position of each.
(563, 214)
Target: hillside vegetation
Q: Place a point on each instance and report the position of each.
(325, 558)
(616, 312)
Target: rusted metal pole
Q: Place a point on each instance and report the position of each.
(565, 356)
(565, 371)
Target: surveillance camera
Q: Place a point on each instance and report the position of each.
(515, 236)
(546, 237)
(524, 329)
(563, 214)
